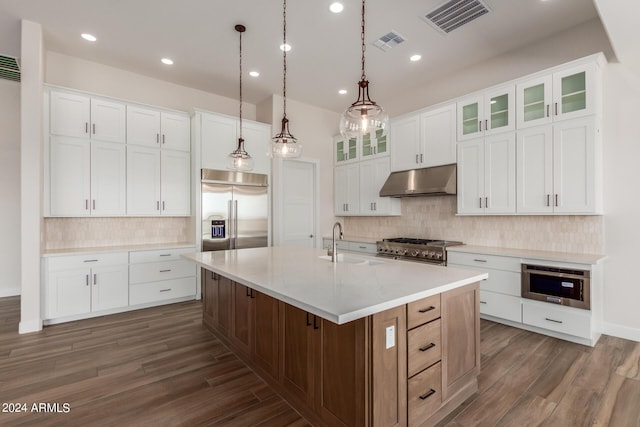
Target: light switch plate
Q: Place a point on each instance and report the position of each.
(391, 336)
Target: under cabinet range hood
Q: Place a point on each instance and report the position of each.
(433, 181)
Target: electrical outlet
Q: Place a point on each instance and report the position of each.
(391, 336)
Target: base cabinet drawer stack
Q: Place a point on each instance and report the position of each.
(160, 275)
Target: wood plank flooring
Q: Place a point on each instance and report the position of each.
(160, 367)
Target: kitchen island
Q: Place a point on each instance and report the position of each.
(364, 341)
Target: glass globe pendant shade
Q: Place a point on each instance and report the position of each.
(284, 144)
(364, 116)
(239, 159)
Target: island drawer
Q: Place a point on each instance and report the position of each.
(157, 291)
(424, 394)
(423, 311)
(168, 254)
(423, 347)
(154, 271)
(495, 262)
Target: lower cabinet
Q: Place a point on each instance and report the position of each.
(408, 365)
(82, 284)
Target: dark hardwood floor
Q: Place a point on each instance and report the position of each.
(161, 367)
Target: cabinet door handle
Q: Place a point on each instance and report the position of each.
(553, 320)
(362, 247)
(421, 158)
(547, 110)
(94, 204)
(90, 260)
(86, 127)
(480, 260)
(95, 279)
(157, 205)
(87, 280)
(164, 255)
(556, 199)
(86, 204)
(486, 125)
(315, 322)
(486, 202)
(556, 107)
(479, 125)
(483, 302)
(157, 138)
(417, 158)
(427, 347)
(163, 138)
(165, 271)
(424, 310)
(480, 202)
(163, 208)
(93, 128)
(308, 321)
(347, 205)
(251, 294)
(548, 202)
(375, 206)
(428, 394)
(165, 290)
(246, 292)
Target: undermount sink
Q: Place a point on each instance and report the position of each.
(348, 259)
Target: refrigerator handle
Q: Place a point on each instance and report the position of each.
(235, 222)
(232, 243)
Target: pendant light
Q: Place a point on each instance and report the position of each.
(284, 144)
(364, 116)
(239, 159)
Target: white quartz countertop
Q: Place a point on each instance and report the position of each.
(531, 254)
(338, 292)
(119, 248)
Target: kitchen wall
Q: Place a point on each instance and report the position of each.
(435, 218)
(10, 188)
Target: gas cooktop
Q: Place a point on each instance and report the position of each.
(424, 250)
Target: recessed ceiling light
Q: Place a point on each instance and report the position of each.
(342, 91)
(285, 47)
(336, 7)
(254, 73)
(167, 61)
(89, 37)
(415, 58)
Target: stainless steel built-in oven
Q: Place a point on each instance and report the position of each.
(557, 285)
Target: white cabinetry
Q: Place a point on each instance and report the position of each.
(373, 174)
(567, 93)
(487, 113)
(347, 189)
(218, 136)
(424, 139)
(486, 175)
(80, 284)
(373, 145)
(345, 150)
(500, 293)
(557, 171)
(160, 275)
(82, 116)
(158, 182)
(155, 128)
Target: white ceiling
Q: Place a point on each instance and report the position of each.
(199, 36)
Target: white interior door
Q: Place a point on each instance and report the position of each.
(298, 213)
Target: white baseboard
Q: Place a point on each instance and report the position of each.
(30, 326)
(10, 292)
(621, 331)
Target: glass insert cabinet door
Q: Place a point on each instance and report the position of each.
(573, 92)
(373, 145)
(534, 102)
(500, 110)
(470, 118)
(345, 150)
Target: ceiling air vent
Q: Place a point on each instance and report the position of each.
(455, 13)
(389, 40)
(9, 68)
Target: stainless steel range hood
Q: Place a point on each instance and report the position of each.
(434, 181)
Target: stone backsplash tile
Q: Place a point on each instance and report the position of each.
(66, 233)
(435, 218)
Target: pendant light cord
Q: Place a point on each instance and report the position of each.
(284, 58)
(363, 77)
(241, 85)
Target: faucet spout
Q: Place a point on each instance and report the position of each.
(334, 246)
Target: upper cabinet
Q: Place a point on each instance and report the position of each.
(424, 139)
(82, 116)
(487, 113)
(565, 94)
(374, 145)
(217, 136)
(155, 128)
(345, 150)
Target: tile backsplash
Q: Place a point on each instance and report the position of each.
(67, 233)
(435, 218)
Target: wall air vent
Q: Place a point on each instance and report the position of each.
(389, 40)
(455, 13)
(9, 68)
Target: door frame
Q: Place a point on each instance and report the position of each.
(278, 207)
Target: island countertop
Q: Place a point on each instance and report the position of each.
(339, 292)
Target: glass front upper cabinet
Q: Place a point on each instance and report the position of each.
(374, 146)
(345, 150)
(489, 113)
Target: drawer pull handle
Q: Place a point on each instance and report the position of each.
(553, 320)
(90, 260)
(362, 247)
(424, 310)
(165, 290)
(483, 302)
(428, 394)
(427, 347)
(165, 271)
(480, 260)
(165, 254)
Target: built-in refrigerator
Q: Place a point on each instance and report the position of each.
(235, 210)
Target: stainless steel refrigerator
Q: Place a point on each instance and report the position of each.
(235, 210)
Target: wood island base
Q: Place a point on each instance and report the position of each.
(410, 365)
